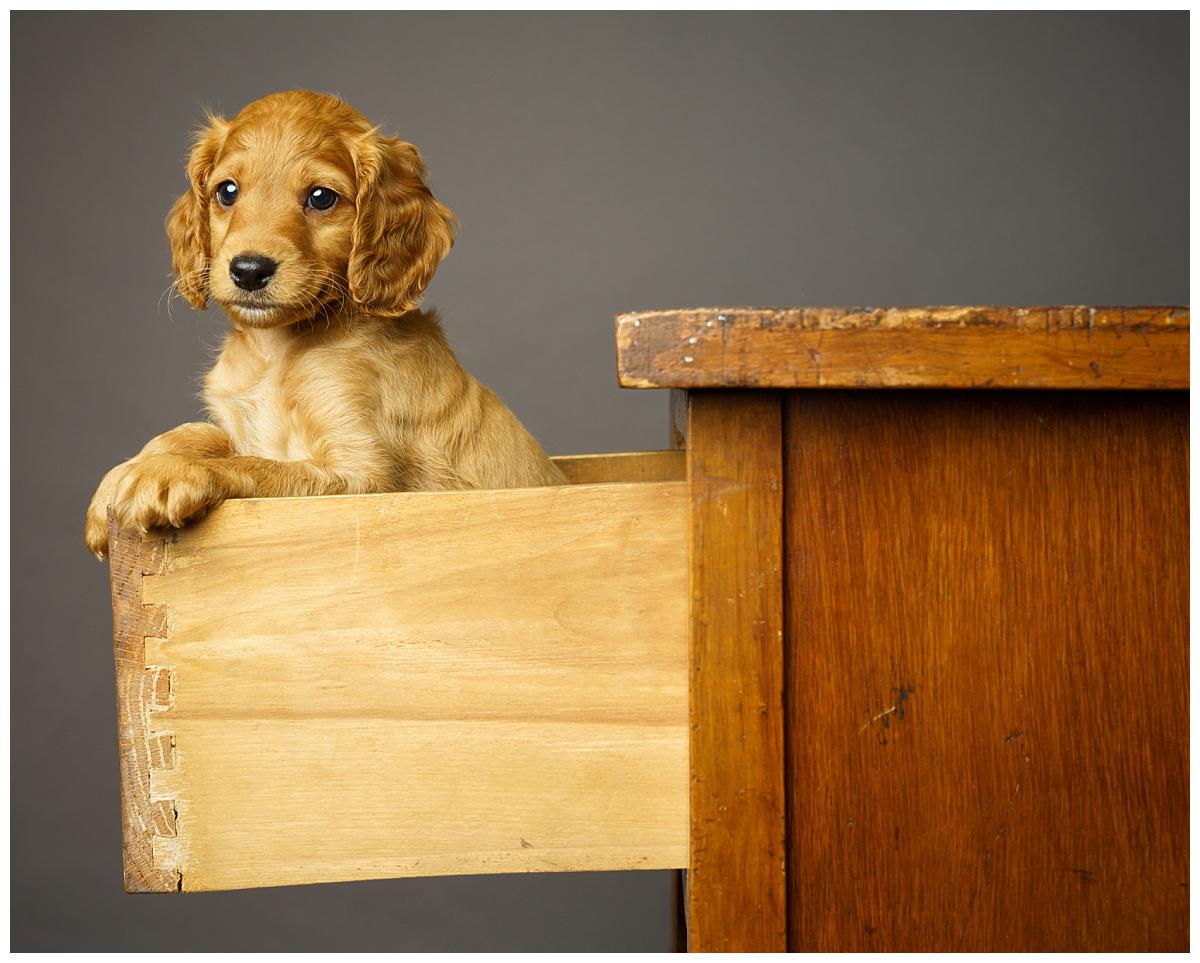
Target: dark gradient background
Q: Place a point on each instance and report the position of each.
(599, 163)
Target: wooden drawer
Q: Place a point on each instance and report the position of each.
(414, 684)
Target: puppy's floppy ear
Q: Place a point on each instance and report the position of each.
(401, 232)
(187, 224)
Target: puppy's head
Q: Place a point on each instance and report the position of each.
(298, 203)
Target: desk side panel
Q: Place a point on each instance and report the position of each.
(987, 690)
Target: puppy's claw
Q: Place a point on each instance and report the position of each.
(95, 534)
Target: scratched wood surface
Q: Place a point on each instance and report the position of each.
(737, 896)
(987, 688)
(935, 347)
(411, 684)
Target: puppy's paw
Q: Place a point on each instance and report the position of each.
(167, 490)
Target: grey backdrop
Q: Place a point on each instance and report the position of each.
(599, 162)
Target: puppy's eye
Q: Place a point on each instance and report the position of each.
(321, 199)
(227, 193)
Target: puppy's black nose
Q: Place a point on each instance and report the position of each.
(251, 272)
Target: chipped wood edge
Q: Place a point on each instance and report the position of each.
(1047, 318)
(1073, 346)
(149, 816)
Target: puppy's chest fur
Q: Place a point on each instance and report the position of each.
(259, 405)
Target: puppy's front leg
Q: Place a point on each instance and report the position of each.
(194, 440)
(168, 489)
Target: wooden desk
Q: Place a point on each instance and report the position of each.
(893, 657)
(939, 624)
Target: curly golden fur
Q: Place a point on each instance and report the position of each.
(330, 381)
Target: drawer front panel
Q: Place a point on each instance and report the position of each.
(409, 684)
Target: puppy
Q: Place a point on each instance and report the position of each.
(316, 235)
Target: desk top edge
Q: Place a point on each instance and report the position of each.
(1072, 346)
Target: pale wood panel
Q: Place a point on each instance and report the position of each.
(632, 466)
(418, 684)
(935, 347)
(337, 799)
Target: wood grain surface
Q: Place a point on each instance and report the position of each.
(677, 435)
(631, 466)
(416, 684)
(737, 895)
(947, 347)
(987, 692)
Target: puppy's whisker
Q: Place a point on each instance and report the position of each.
(167, 291)
(198, 276)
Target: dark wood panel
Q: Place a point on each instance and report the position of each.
(987, 679)
(737, 895)
(947, 347)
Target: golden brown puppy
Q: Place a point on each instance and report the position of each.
(316, 235)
